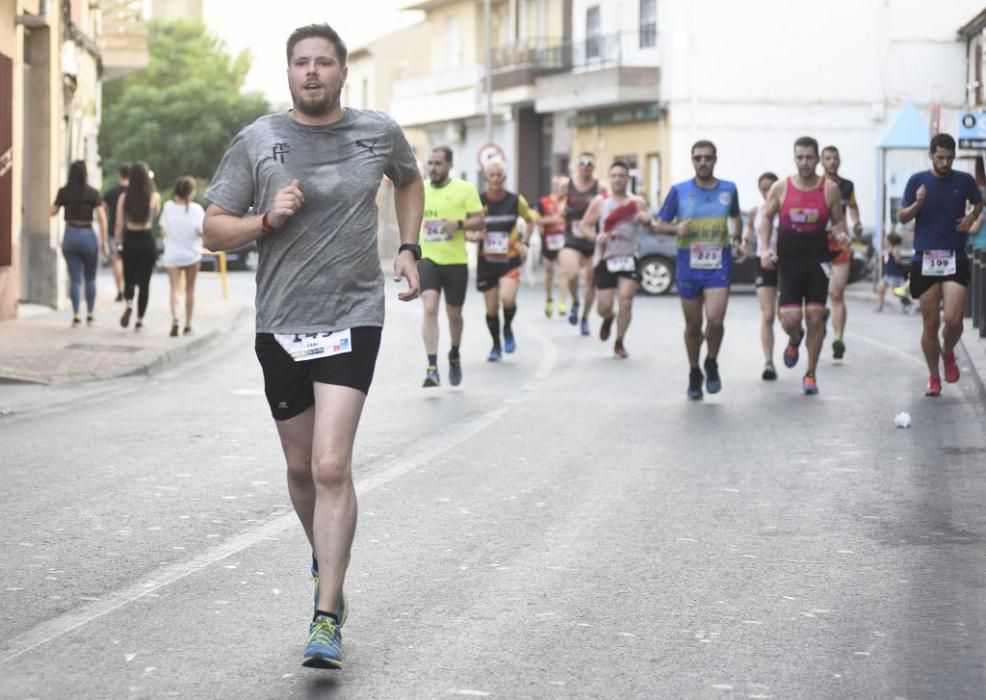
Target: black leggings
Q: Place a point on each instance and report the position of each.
(139, 254)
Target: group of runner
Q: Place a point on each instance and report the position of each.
(303, 184)
(800, 234)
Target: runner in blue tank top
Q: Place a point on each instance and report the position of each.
(701, 212)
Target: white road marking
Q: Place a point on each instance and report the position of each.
(889, 348)
(420, 453)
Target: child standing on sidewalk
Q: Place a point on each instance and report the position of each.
(893, 269)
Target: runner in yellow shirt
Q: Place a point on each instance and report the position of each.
(452, 206)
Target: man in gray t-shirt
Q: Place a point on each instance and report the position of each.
(311, 176)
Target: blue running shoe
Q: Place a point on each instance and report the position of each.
(342, 613)
(584, 328)
(509, 344)
(791, 351)
(573, 315)
(713, 384)
(495, 354)
(324, 648)
(695, 384)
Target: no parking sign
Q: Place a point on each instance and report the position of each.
(488, 153)
(972, 130)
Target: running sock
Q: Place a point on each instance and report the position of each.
(322, 613)
(508, 316)
(453, 354)
(493, 323)
(433, 360)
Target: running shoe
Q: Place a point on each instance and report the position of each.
(548, 308)
(431, 377)
(791, 351)
(324, 648)
(584, 327)
(454, 370)
(951, 367)
(838, 348)
(509, 344)
(119, 296)
(713, 384)
(76, 322)
(808, 384)
(769, 373)
(620, 351)
(605, 328)
(90, 320)
(573, 316)
(495, 354)
(934, 386)
(125, 318)
(695, 384)
(174, 329)
(562, 308)
(342, 613)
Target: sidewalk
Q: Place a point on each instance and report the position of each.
(971, 347)
(42, 347)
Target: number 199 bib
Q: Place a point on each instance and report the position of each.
(938, 263)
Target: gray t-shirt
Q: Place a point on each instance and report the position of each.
(320, 271)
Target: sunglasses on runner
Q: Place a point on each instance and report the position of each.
(586, 161)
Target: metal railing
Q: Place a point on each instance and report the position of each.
(592, 51)
(976, 299)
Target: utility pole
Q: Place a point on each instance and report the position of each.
(488, 20)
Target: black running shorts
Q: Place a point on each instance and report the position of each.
(766, 278)
(452, 279)
(921, 283)
(582, 245)
(602, 278)
(488, 273)
(288, 385)
(802, 282)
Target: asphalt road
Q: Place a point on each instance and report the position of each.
(562, 525)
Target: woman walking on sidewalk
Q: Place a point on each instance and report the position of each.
(80, 247)
(135, 210)
(181, 225)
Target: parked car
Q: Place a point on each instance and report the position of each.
(659, 252)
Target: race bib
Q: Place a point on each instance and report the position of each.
(621, 263)
(706, 256)
(434, 231)
(827, 269)
(576, 229)
(311, 346)
(938, 263)
(554, 241)
(496, 243)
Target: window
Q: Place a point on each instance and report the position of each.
(452, 42)
(592, 33)
(648, 24)
(653, 179)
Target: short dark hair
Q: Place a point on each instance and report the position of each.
(620, 164)
(445, 151)
(767, 176)
(805, 142)
(833, 149)
(894, 238)
(318, 31)
(942, 141)
(704, 143)
(124, 170)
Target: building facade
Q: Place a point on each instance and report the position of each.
(52, 61)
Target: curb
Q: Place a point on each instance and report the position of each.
(974, 367)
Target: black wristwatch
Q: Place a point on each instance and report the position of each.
(413, 247)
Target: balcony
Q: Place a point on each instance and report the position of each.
(520, 64)
(438, 97)
(603, 71)
(123, 45)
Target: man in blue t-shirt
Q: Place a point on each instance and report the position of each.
(699, 212)
(939, 201)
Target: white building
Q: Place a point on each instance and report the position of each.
(754, 76)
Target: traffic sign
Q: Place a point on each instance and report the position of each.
(489, 152)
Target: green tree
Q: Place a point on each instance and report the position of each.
(179, 113)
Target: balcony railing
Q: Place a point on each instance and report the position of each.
(541, 54)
